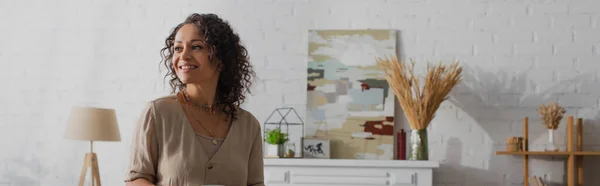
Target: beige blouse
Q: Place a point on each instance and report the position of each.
(167, 151)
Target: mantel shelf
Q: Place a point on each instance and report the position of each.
(550, 153)
(337, 172)
(349, 163)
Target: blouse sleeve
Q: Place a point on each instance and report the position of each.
(144, 148)
(255, 164)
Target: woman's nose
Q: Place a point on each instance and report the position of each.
(185, 54)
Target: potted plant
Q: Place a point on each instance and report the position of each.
(275, 140)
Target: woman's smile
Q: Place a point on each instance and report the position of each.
(188, 68)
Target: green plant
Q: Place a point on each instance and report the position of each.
(276, 137)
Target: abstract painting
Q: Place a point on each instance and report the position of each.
(349, 100)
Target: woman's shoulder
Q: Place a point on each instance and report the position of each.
(163, 103)
(247, 118)
(167, 100)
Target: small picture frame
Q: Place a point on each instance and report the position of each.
(315, 148)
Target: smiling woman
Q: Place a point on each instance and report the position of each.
(199, 135)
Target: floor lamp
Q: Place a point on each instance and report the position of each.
(92, 124)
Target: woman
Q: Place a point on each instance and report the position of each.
(199, 135)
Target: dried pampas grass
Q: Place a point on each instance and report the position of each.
(551, 114)
(420, 104)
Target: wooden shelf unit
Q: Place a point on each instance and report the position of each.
(575, 157)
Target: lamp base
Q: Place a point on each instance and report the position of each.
(90, 161)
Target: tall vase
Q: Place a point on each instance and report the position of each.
(551, 145)
(419, 146)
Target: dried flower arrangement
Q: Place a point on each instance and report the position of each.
(420, 104)
(551, 114)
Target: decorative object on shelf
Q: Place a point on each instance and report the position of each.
(401, 155)
(514, 144)
(536, 181)
(349, 100)
(316, 148)
(420, 104)
(92, 124)
(285, 119)
(574, 151)
(551, 116)
(540, 182)
(276, 141)
(290, 150)
(510, 145)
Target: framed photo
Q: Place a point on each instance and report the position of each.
(316, 148)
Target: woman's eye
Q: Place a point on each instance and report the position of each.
(196, 47)
(177, 48)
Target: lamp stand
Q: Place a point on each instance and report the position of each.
(90, 161)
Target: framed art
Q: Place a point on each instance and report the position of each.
(318, 148)
(348, 98)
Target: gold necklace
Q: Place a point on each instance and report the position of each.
(204, 107)
(214, 141)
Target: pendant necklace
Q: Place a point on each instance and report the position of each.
(214, 141)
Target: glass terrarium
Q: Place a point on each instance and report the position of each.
(288, 122)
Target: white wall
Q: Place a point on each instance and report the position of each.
(516, 54)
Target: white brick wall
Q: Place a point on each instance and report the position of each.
(516, 55)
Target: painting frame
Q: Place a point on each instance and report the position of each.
(312, 145)
(349, 100)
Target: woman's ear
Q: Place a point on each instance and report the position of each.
(219, 65)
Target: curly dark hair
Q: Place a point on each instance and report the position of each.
(225, 45)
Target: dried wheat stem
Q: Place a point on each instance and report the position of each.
(551, 114)
(420, 104)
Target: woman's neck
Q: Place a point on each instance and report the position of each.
(202, 93)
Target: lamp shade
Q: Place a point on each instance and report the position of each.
(93, 124)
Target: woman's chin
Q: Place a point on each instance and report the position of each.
(188, 81)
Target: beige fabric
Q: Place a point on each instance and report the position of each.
(166, 151)
(209, 147)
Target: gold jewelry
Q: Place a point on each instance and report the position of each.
(204, 107)
(214, 141)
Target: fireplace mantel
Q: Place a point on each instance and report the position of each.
(325, 172)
